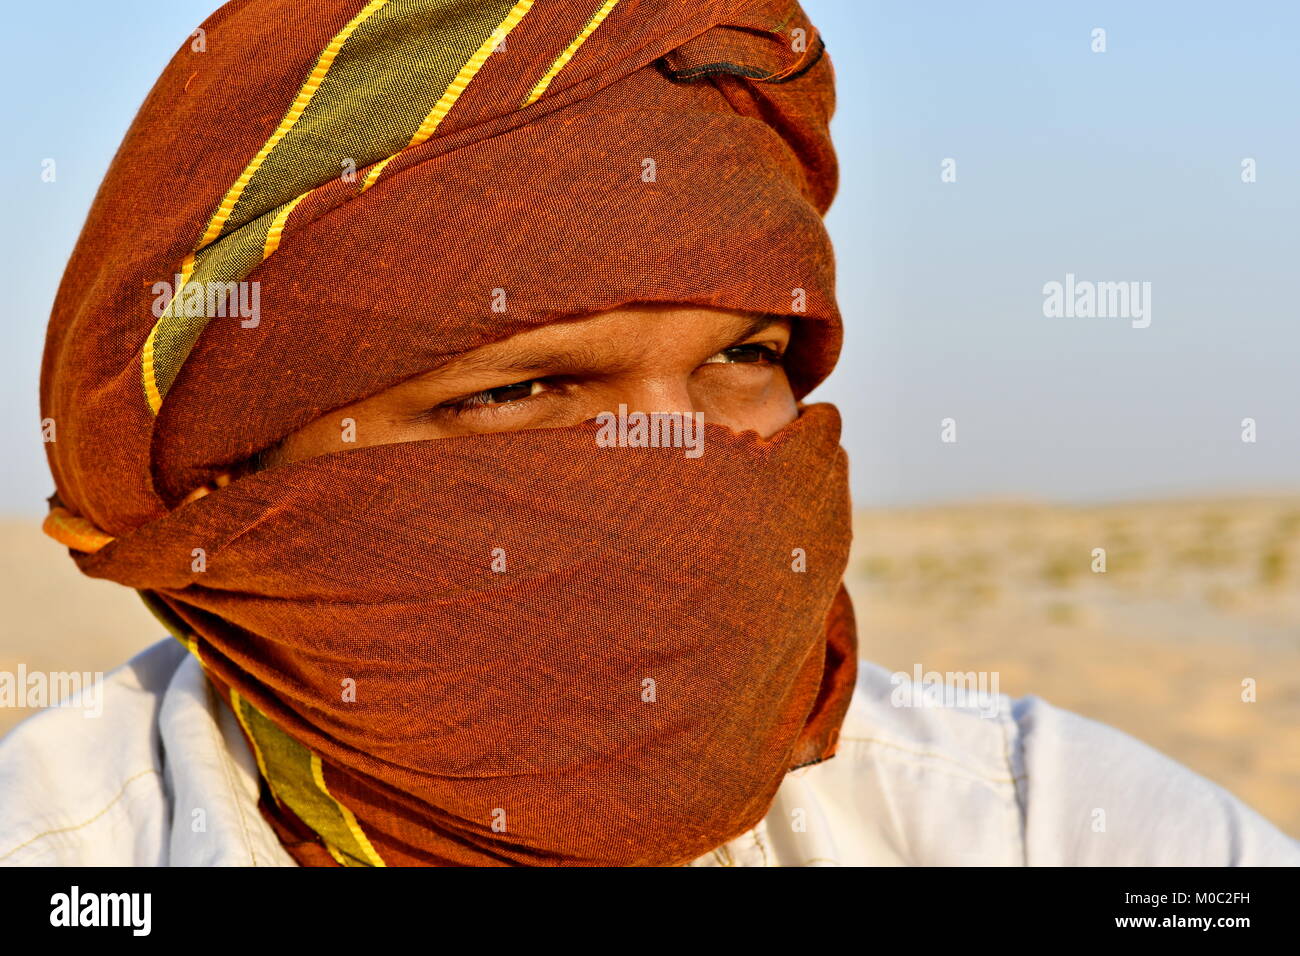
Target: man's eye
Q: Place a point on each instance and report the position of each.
(745, 353)
(498, 396)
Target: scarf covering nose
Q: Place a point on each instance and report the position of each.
(511, 649)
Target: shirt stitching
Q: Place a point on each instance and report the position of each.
(758, 841)
(225, 761)
(108, 806)
(1012, 760)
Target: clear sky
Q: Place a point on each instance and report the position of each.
(1115, 166)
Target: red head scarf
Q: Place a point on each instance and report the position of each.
(520, 648)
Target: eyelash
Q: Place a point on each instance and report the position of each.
(478, 402)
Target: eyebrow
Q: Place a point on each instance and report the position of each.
(757, 324)
(539, 358)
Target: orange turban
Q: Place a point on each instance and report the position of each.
(400, 181)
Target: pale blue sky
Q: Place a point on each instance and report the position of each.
(1115, 166)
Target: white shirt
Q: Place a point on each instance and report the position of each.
(165, 778)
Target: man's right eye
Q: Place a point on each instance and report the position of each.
(500, 395)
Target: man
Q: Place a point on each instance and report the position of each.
(487, 510)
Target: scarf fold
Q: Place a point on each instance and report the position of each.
(499, 649)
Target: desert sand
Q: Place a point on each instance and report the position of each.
(1197, 597)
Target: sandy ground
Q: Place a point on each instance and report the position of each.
(56, 619)
(1197, 597)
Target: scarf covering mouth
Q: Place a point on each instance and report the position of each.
(519, 649)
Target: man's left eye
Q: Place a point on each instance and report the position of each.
(745, 353)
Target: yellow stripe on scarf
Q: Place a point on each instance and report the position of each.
(297, 780)
(457, 85)
(596, 18)
(370, 94)
(296, 110)
(294, 774)
(237, 705)
(276, 230)
(174, 625)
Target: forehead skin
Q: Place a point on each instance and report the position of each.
(651, 358)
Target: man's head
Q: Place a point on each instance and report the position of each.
(457, 626)
(679, 158)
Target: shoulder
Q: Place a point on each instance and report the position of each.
(928, 776)
(1098, 796)
(919, 784)
(964, 730)
(84, 785)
